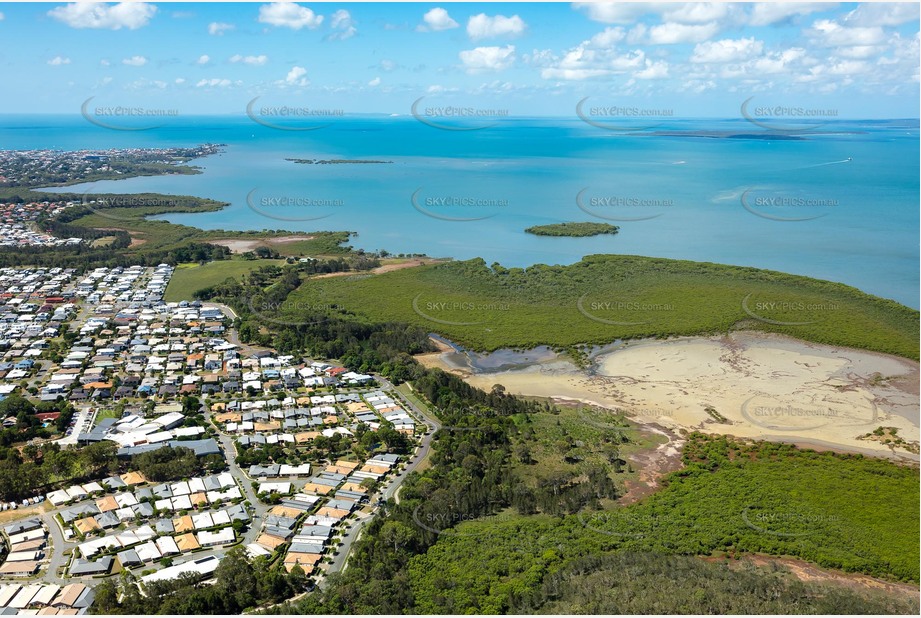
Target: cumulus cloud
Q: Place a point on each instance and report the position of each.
(482, 59)
(884, 14)
(608, 37)
(678, 12)
(437, 20)
(697, 12)
(375, 82)
(256, 61)
(483, 26)
(614, 12)
(58, 61)
(653, 70)
(289, 15)
(593, 58)
(341, 21)
(135, 61)
(130, 15)
(297, 76)
(558, 73)
(214, 82)
(203, 59)
(769, 13)
(218, 28)
(581, 63)
(726, 50)
(829, 33)
(672, 33)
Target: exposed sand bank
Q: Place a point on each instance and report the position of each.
(765, 386)
(242, 245)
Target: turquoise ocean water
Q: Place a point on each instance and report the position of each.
(841, 204)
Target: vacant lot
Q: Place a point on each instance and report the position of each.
(190, 278)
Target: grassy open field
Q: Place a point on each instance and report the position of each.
(606, 297)
(189, 278)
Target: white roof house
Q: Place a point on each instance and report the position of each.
(220, 537)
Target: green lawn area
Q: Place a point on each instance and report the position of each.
(188, 278)
(606, 297)
(107, 413)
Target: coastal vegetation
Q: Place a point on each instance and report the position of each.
(607, 297)
(573, 229)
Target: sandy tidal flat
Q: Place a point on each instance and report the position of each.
(749, 385)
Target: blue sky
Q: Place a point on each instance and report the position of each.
(698, 59)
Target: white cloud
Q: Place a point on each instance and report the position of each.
(849, 67)
(2, 17)
(637, 34)
(785, 61)
(218, 28)
(557, 73)
(58, 61)
(256, 61)
(214, 82)
(297, 76)
(861, 51)
(832, 34)
(767, 13)
(203, 59)
(341, 21)
(883, 14)
(147, 84)
(437, 20)
(483, 26)
(388, 65)
(614, 12)
(482, 59)
(727, 50)
(592, 58)
(135, 61)
(105, 62)
(697, 12)
(180, 80)
(607, 37)
(653, 70)
(679, 12)
(540, 58)
(375, 82)
(130, 15)
(673, 33)
(289, 15)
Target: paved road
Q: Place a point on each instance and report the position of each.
(58, 546)
(259, 509)
(353, 531)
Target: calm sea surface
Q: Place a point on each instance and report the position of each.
(841, 205)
